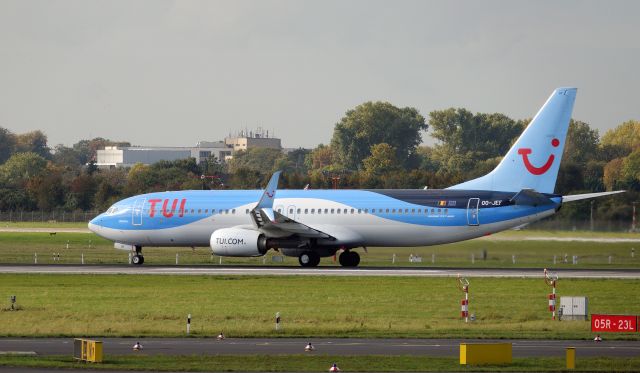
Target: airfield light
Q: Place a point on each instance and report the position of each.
(277, 320)
(188, 323)
(551, 279)
(13, 302)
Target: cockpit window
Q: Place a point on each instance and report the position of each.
(112, 210)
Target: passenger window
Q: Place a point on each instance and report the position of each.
(233, 211)
(359, 211)
(298, 211)
(290, 211)
(319, 211)
(366, 211)
(280, 210)
(393, 211)
(338, 211)
(246, 211)
(306, 211)
(387, 211)
(439, 211)
(332, 211)
(406, 211)
(192, 211)
(313, 211)
(199, 211)
(326, 211)
(373, 211)
(446, 211)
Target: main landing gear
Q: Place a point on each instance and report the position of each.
(309, 259)
(349, 259)
(137, 258)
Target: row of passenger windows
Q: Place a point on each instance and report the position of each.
(426, 211)
(367, 211)
(330, 211)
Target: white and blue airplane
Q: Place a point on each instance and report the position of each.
(310, 224)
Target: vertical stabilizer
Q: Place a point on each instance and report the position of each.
(533, 161)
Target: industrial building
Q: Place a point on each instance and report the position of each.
(116, 156)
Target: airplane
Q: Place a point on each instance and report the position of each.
(311, 224)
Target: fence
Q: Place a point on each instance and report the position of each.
(48, 216)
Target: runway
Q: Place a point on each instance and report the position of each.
(323, 346)
(216, 270)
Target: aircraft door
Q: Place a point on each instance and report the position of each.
(473, 211)
(136, 213)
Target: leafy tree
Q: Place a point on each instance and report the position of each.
(626, 135)
(373, 123)
(382, 160)
(34, 142)
(258, 159)
(613, 174)
(581, 143)
(66, 156)
(7, 144)
(485, 135)
(320, 158)
(22, 166)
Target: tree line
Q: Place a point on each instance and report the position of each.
(374, 145)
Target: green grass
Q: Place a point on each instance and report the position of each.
(317, 363)
(22, 247)
(42, 224)
(244, 306)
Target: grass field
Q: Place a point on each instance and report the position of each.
(319, 363)
(244, 306)
(500, 249)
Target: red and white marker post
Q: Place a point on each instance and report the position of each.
(463, 285)
(551, 279)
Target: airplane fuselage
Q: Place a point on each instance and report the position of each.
(353, 217)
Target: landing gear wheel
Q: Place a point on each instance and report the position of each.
(137, 259)
(309, 259)
(349, 259)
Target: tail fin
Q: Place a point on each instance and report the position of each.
(533, 161)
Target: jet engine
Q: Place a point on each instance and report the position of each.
(238, 242)
(248, 242)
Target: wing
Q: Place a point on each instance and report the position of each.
(273, 223)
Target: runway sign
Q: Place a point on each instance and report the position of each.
(614, 323)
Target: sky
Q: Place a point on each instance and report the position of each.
(157, 72)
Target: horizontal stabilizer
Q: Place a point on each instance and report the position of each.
(529, 197)
(577, 197)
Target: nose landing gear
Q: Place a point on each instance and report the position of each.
(137, 258)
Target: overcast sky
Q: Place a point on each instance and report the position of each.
(175, 72)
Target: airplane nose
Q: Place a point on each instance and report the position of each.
(94, 225)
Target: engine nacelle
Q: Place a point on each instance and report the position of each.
(238, 242)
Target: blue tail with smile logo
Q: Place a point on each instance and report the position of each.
(533, 161)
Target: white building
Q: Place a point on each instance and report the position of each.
(114, 156)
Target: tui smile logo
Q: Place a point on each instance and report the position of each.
(542, 169)
(270, 195)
